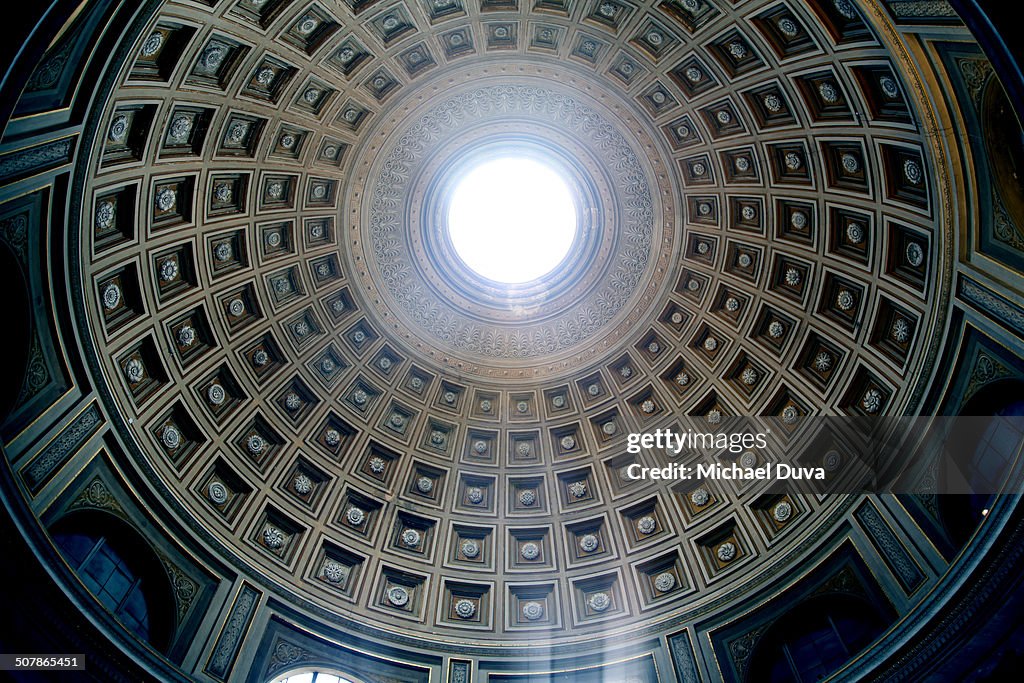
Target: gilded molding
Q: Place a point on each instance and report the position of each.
(682, 657)
(892, 551)
(922, 9)
(993, 304)
(36, 159)
(230, 640)
(60, 450)
(96, 496)
(183, 586)
(460, 671)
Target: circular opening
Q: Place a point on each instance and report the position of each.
(512, 220)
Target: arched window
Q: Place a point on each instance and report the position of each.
(314, 677)
(814, 640)
(120, 570)
(983, 451)
(1004, 142)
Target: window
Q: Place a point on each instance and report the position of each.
(814, 640)
(983, 452)
(112, 562)
(313, 677)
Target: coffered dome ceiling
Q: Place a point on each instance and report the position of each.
(314, 377)
(325, 397)
(316, 380)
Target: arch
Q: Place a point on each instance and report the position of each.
(1004, 142)
(243, 317)
(121, 570)
(315, 675)
(979, 452)
(814, 639)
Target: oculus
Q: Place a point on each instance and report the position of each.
(512, 220)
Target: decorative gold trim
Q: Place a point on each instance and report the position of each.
(320, 637)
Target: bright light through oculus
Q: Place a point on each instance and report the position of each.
(512, 220)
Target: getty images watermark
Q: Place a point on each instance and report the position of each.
(734, 443)
(922, 455)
